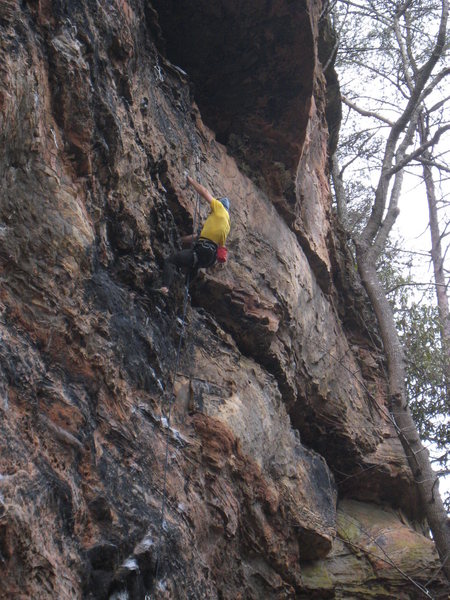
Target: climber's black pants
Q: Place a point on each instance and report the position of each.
(201, 255)
(183, 259)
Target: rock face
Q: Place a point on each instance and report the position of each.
(262, 464)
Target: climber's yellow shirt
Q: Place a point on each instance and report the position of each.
(217, 225)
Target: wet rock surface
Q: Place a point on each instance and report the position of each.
(279, 432)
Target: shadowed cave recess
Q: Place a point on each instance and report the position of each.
(252, 68)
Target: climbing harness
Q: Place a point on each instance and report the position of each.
(206, 252)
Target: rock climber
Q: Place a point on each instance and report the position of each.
(203, 250)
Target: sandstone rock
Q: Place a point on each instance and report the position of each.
(373, 545)
(278, 410)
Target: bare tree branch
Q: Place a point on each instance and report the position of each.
(420, 150)
(414, 284)
(433, 163)
(432, 86)
(387, 172)
(366, 113)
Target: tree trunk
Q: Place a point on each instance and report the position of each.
(437, 258)
(339, 192)
(417, 455)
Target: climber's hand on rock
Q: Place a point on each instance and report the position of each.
(186, 179)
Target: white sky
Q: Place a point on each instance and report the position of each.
(412, 226)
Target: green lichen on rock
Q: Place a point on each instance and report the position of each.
(372, 544)
(316, 576)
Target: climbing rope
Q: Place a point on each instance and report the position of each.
(168, 420)
(162, 524)
(172, 391)
(387, 559)
(382, 410)
(196, 232)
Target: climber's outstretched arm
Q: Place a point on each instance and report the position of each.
(200, 189)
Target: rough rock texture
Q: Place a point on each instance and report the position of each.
(284, 477)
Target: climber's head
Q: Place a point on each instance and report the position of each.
(226, 203)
